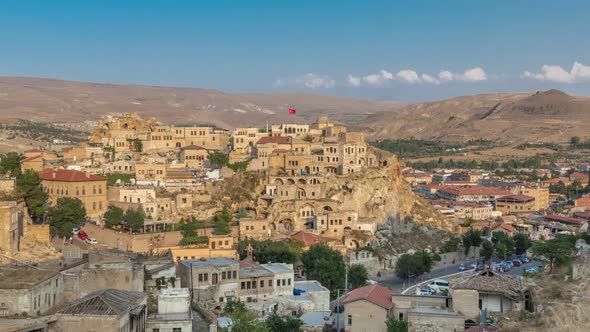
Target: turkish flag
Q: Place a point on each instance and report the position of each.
(292, 111)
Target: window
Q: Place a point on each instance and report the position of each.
(223, 275)
(349, 319)
(200, 277)
(221, 299)
(155, 330)
(261, 283)
(234, 274)
(401, 316)
(270, 283)
(243, 285)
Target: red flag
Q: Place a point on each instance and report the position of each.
(292, 111)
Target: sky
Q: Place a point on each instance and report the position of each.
(389, 50)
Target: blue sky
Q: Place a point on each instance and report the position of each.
(398, 50)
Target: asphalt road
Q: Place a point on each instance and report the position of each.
(398, 284)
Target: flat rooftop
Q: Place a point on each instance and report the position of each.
(23, 278)
(309, 286)
(208, 262)
(174, 292)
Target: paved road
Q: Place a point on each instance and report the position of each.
(398, 284)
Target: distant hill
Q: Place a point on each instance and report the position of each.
(50, 100)
(549, 116)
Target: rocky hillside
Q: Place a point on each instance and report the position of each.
(48, 100)
(549, 116)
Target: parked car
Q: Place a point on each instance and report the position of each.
(462, 267)
(82, 235)
(525, 259)
(473, 266)
(439, 285)
(516, 262)
(427, 291)
(75, 230)
(480, 268)
(91, 241)
(533, 269)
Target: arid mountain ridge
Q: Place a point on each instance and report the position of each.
(50, 100)
(511, 118)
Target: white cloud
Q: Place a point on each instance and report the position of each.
(553, 73)
(315, 81)
(408, 76)
(429, 79)
(353, 81)
(476, 74)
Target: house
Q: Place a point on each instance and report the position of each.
(105, 310)
(193, 156)
(541, 195)
(211, 279)
(495, 292)
(29, 292)
(90, 189)
(515, 204)
(174, 312)
(502, 227)
(10, 222)
(309, 239)
(34, 163)
(472, 193)
(583, 202)
(367, 308)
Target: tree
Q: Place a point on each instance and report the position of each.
(135, 218)
(558, 250)
(357, 276)
(522, 242)
(487, 250)
(268, 251)
(425, 260)
(10, 164)
(325, 265)
(113, 216)
(29, 186)
(188, 228)
(65, 215)
(221, 222)
(502, 250)
(575, 141)
(243, 320)
(405, 266)
(276, 323)
(394, 325)
(471, 239)
(451, 245)
(218, 159)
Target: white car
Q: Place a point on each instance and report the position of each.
(91, 241)
(75, 230)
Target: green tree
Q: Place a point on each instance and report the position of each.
(218, 159)
(29, 186)
(221, 222)
(114, 216)
(558, 250)
(487, 250)
(267, 251)
(394, 325)
(575, 141)
(325, 265)
(276, 323)
(357, 276)
(65, 215)
(502, 250)
(406, 266)
(243, 320)
(188, 228)
(471, 238)
(451, 245)
(10, 164)
(522, 242)
(135, 218)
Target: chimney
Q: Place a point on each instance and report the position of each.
(53, 174)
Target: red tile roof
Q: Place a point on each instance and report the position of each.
(375, 294)
(274, 139)
(67, 175)
(476, 190)
(309, 239)
(579, 175)
(564, 219)
(502, 225)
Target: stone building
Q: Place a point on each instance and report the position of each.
(7, 184)
(164, 137)
(367, 308)
(193, 156)
(174, 312)
(34, 163)
(104, 310)
(211, 279)
(90, 189)
(29, 292)
(516, 204)
(427, 313)
(152, 171)
(10, 223)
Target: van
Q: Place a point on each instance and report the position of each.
(439, 285)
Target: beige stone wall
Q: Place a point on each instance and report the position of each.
(7, 185)
(466, 301)
(435, 323)
(135, 243)
(366, 317)
(39, 233)
(150, 171)
(85, 323)
(515, 207)
(9, 237)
